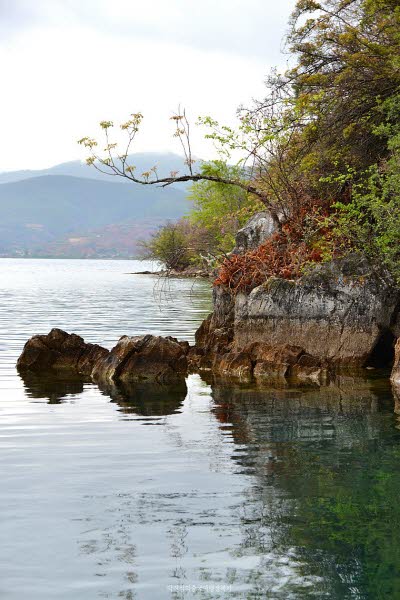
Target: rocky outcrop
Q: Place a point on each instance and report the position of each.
(338, 313)
(60, 351)
(342, 315)
(133, 359)
(143, 358)
(256, 231)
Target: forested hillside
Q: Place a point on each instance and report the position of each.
(62, 215)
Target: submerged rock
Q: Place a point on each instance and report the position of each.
(60, 351)
(147, 357)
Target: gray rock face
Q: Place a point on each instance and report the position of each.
(215, 335)
(143, 358)
(338, 313)
(256, 231)
(341, 315)
(60, 351)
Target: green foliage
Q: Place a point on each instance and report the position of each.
(221, 209)
(370, 221)
(208, 233)
(348, 64)
(180, 245)
(169, 246)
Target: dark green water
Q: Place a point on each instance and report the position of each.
(204, 491)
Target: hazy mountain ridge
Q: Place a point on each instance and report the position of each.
(54, 213)
(165, 162)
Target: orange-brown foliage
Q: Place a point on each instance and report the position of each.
(284, 254)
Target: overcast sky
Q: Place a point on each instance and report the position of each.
(67, 64)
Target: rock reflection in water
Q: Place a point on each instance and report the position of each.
(327, 492)
(296, 412)
(146, 399)
(302, 501)
(52, 386)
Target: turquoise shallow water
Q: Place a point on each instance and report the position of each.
(205, 491)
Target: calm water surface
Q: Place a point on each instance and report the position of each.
(207, 491)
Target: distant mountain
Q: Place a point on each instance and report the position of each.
(64, 215)
(143, 161)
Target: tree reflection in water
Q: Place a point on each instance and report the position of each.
(326, 461)
(283, 493)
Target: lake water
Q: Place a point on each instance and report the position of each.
(213, 491)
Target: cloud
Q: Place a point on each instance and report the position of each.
(244, 27)
(67, 65)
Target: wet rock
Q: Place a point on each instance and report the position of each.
(286, 354)
(307, 360)
(143, 358)
(60, 351)
(234, 364)
(305, 374)
(275, 364)
(271, 371)
(395, 375)
(133, 359)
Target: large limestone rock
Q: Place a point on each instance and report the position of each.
(60, 351)
(342, 313)
(143, 358)
(341, 316)
(256, 231)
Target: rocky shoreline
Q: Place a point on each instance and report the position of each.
(186, 274)
(341, 318)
